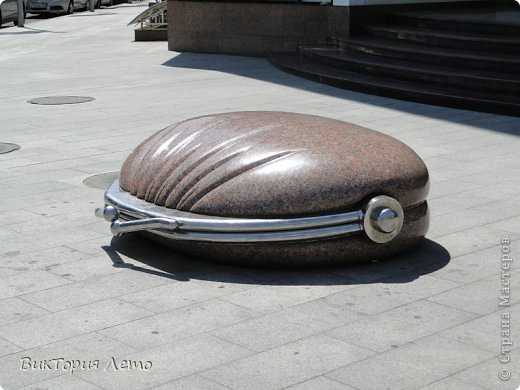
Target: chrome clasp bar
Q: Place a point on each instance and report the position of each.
(381, 220)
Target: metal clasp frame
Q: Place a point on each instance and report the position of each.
(381, 220)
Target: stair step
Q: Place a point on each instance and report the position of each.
(458, 40)
(489, 21)
(418, 52)
(407, 70)
(400, 89)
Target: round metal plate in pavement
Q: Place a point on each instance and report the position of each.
(101, 181)
(58, 100)
(7, 147)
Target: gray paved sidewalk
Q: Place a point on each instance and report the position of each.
(428, 319)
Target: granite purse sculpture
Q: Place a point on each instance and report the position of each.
(272, 188)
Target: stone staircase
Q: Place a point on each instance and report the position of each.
(465, 59)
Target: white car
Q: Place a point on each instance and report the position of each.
(56, 6)
(99, 3)
(9, 11)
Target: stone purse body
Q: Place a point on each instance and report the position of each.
(272, 188)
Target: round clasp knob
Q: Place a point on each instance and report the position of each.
(383, 219)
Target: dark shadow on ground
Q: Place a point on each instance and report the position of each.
(142, 5)
(42, 16)
(30, 30)
(29, 19)
(151, 258)
(261, 69)
(93, 14)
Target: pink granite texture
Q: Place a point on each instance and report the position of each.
(271, 164)
(277, 164)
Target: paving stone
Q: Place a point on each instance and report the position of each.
(449, 384)
(60, 208)
(177, 324)
(81, 293)
(63, 382)
(411, 366)
(7, 271)
(480, 297)
(389, 293)
(26, 282)
(503, 191)
(67, 155)
(178, 294)
(510, 225)
(7, 348)
(482, 332)
(449, 204)
(8, 217)
(47, 239)
(16, 162)
(46, 259)
(459, 220)
(470, 240)
(69, 323)
(486, 374)
(471, 267)
(45, 167)
(15, 309)
(88, 347)
(296, 322)
(287, 293)
(48, 183)
(54, 223)
(93, 247)
(396, 327)
(321, 382)
(191, 382)
(172, 361)
(303, 359)
(505, 207)
(450, 187)
(89, 268)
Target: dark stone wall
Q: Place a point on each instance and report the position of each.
(251, 28)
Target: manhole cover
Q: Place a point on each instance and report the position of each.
(7, 147)
(56, 100)
(101, 181)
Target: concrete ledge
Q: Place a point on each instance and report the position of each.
(151, 35)
(251, 28)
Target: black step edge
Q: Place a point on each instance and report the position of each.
(296, 64)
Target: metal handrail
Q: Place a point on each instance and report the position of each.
(152, 18)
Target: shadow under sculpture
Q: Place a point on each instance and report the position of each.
(274, 189)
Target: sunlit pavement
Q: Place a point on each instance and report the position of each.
(427, 319)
